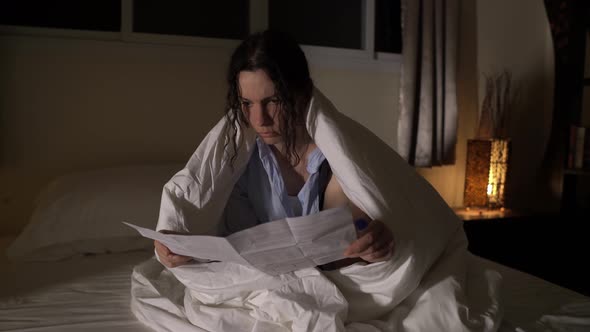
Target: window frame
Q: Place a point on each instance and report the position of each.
(318, 56)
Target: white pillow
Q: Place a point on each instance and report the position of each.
(82, 213)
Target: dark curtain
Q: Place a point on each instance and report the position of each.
(427, 126)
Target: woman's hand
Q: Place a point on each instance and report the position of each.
(375, 244)
(167, 257)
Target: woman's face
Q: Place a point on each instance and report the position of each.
(260, 104)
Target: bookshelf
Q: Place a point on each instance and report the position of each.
(577, 172)
(578, 158)
(576, 76)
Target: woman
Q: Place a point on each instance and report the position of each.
(287, 175)
(271, 168)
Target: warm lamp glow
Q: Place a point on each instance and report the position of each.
(498, 170)
(485, 172)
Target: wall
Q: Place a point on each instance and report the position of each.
(369, 97)
(71, 104)
(515, 35)
(512, 35)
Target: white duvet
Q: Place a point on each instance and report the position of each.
(426, 286)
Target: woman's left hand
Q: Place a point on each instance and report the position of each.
(375, 244)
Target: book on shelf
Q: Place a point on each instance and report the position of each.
(579, 148)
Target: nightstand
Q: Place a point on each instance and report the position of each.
(485, 214)
(549, 246)
(497, 234)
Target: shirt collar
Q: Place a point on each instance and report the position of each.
(314, 159)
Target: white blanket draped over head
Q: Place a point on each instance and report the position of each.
(427, 285)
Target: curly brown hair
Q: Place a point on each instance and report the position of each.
(279, 55)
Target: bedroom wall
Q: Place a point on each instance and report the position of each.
(512, 35)
(515, 35)
(71, 104)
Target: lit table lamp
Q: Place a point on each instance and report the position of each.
(485, 172)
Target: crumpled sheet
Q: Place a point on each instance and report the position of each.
(573, 317)
(426, 286)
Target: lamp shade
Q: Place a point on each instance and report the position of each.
(486, 172)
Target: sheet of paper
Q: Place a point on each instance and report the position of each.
(295, 243)
(323, 237)
(275, 247)
(201, 247)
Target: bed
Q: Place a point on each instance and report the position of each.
(70, 269)
(91, 293)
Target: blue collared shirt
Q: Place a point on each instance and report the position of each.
(260, 194)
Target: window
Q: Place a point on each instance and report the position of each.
(203, 18)
(100, 15)
(338, 23)
(333, 23)
(388, 22)
(332, 32)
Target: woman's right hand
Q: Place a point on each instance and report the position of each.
(168, 258)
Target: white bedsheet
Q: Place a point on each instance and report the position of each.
(93, 294)
(80, 294)
(230, 297)
(533, 304)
